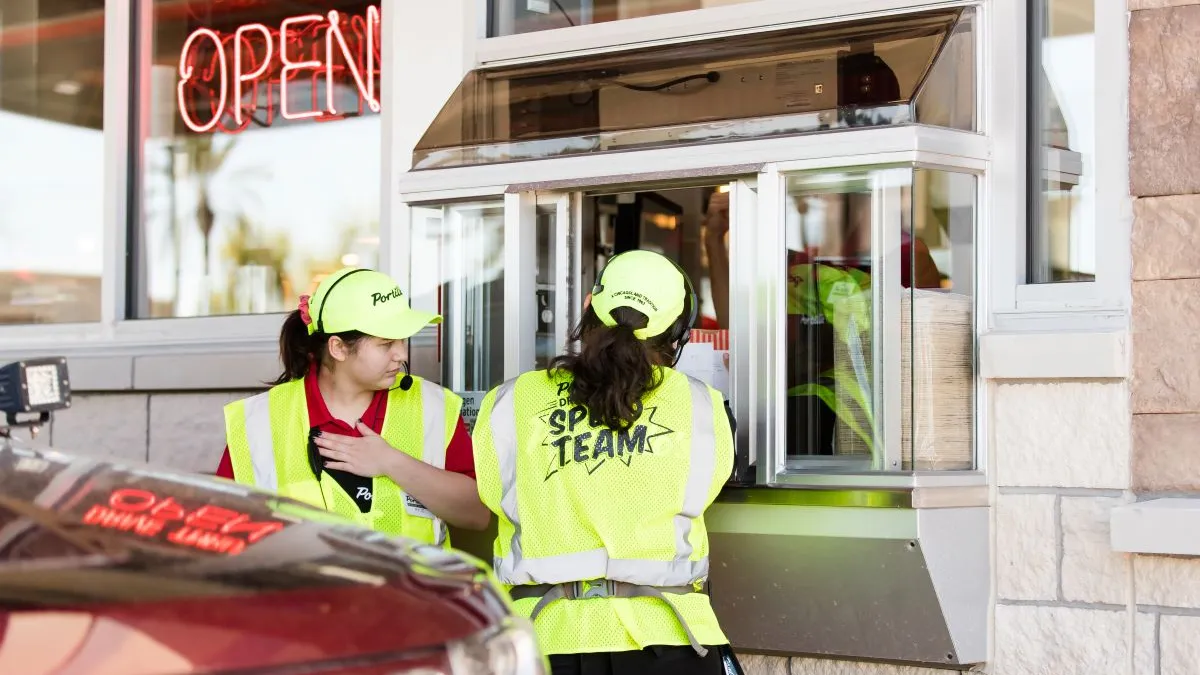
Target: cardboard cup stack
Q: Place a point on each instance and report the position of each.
(937, 391)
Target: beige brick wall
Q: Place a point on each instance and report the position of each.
(1165, 391)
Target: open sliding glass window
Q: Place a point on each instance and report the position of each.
(908, 69)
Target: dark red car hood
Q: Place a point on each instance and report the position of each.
(212, 576)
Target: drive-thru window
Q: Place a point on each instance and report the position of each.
(825, 187)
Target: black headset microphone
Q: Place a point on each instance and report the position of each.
(406, 382)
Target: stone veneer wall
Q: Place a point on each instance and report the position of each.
(1164, 139)
(177, 430)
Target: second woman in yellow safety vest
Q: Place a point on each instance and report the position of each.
(600, 470)
(347, 428)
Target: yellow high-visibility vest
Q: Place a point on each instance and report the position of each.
(581, 502)
(268, 446)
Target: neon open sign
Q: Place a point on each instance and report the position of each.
(207, 528)
(217, 70)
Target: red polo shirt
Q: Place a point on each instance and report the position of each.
(459, 456)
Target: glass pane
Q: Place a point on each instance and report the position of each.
(511, 17)
(947, 97)
(1062, 81)
(831, 399)
(457, 269)
(938, 327)
(260, 162)
(801, 80)
(841, 334)
(880, 326)
(546, 261)
(51, 160)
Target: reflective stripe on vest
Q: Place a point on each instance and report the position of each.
(253, 437)
(258, 436)
(515, 569)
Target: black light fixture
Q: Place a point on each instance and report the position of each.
(34, 386)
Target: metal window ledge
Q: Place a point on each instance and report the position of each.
(806, 570)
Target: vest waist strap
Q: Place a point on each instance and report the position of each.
(605, 588)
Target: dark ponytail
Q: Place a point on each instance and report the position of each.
(613, 369)
(298, 350)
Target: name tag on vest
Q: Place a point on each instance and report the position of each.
(416, 508)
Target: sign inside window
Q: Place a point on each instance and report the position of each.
(206, 528)
(228, 81)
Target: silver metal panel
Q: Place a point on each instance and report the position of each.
(520, 282)
(616, 181)
(879, 593)
(564, 228)
(122, 49)
(769, 328)
(744, 212)
(886, 224)
(957, 554)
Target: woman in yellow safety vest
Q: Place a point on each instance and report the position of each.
(600, 470)
(347, 428)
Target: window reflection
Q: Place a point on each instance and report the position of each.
(1062, 243)
(861, 346)
(51, 161)
(882, 71)
(258, 176)
(458, 271)
(549, 338)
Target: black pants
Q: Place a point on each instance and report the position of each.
(649, 661)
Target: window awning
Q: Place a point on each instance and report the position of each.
(911, 68)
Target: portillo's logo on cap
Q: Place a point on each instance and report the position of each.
(379, 298)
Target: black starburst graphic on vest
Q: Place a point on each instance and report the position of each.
(571, 439)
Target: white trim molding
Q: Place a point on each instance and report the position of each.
(1054, 355)
(1167, 526)
(1102, 305)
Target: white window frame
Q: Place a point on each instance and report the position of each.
(402, 253)
(1050, 314)
(738, 18)
(909, 145)
(1100, 306)
(217, 352)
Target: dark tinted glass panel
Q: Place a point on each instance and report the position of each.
(51, 160)
(864, 73)
(1062, 140)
